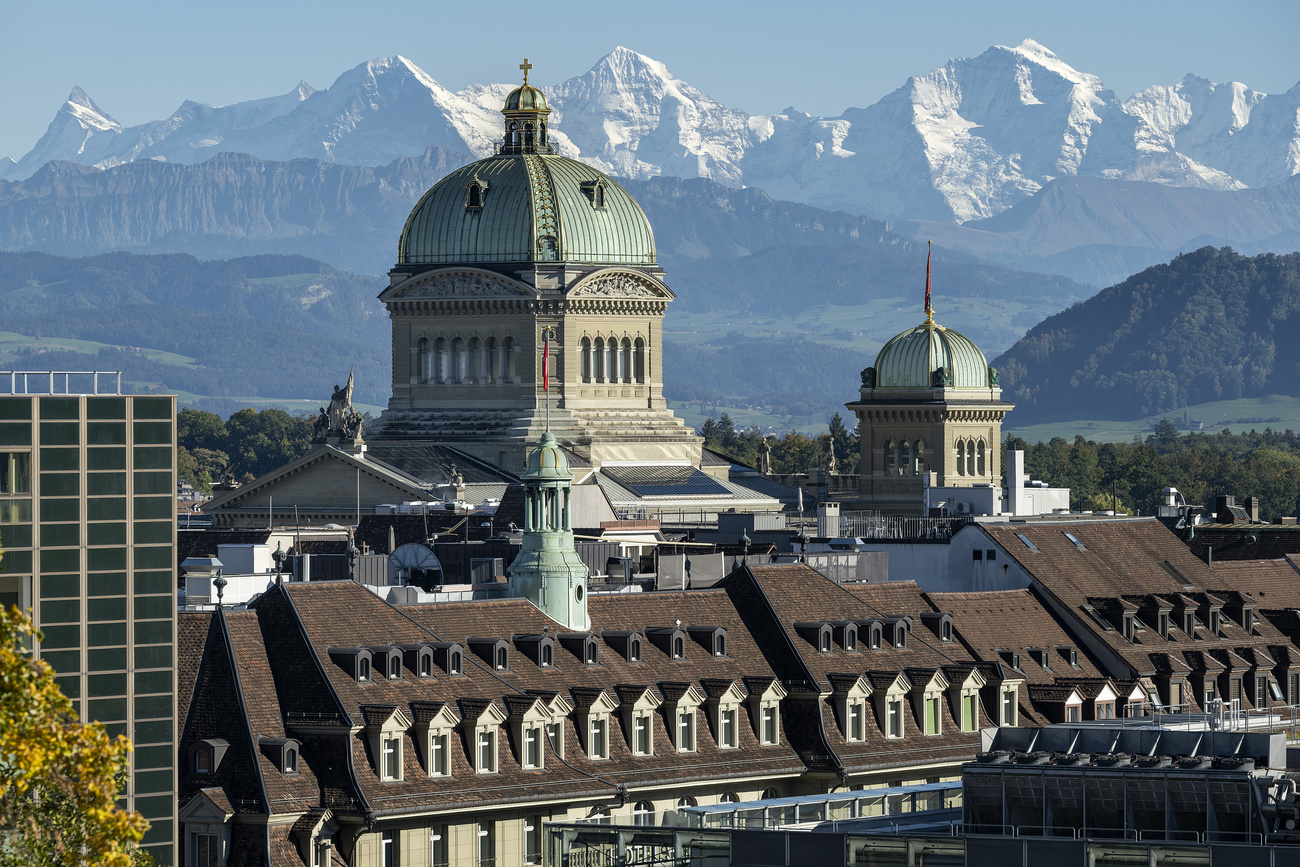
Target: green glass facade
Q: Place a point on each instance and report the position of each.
(87, 522)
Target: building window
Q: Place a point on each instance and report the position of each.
(641, 734)
(597, 745)
(290, 760)
(203, 762)
(932, 715)
(1261, 690)
(634, 655)
(426, 665)
(961, 457)
(1073, 713)
(487, 752)
(1008, 707)
(502, 659)
(945, 631)
(850, 639)
(638, 360)
(424, 361)
(206, 849)
(968, 712)
(720, 645)
(727, 728)
(532, 839)
(392, 759)
(392, 854)
(394, 666)
(769, 725)
(322, 854)
(438, 756)
(15, 473)
(453, 667)
(438, 855)
(553, 737)
(686, 731)
(679, 648)
(891, 458)
(825, 641)
(532, 747)
(876, 636)
(729, 798)
(900, 634)
(894, 718)
(363, 668)
(1106, 710)
(591, 653)
(643, 814)
(487, 848)
(855, 721)
(979, 459)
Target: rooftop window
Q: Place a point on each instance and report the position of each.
(1028, 544)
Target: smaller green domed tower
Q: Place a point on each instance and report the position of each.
(929, 412)
(548, 571)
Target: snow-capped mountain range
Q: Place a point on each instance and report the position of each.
(965, 141)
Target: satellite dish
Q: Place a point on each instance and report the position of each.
(416, 563)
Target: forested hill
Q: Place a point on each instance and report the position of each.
(1210, 325)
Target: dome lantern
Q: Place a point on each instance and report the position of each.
(526, 112)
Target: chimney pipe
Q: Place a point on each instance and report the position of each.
(1209, 555)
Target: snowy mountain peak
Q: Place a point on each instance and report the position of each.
(1044, 57)
(89, 115)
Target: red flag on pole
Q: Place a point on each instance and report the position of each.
(927, 278)
(546, 364)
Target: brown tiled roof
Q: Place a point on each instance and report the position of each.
(191, 637)
(1274, 583)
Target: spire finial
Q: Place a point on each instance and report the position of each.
(525, 66)
(929, 311)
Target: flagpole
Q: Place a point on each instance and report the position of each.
(548, 334)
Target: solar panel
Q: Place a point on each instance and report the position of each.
(666, 481)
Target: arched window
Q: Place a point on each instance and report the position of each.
(290, 761)
(891, 459)
(625, 362)
(961, 457)
(635, 654)
(729, 798)
(598, 356)
(970, 457)
(394, 666)
(591, 653)
(455, 662)
(514, 134)
(423, 361)
(474, 199)
(685, 801)
(585, 350)
(492, 351)
(611, 360)
(979, 458)
(442, 360)
(363, 669)
(459, 361)
(542, 136)
(638, 360)
(477, 360)
(769, 794)
(643, 813)
(528, 136)
(548, 656)
(502, 659)
(600, 195)
(679, 648)
(905, 458)
(508, 361)
(720, 645)
(426, 665)
(918, 449)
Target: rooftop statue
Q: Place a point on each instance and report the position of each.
(340, 419)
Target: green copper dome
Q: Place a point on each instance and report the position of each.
(911, 359)
(526, 204)
(526, 98)
(527, 207)
(548, 462)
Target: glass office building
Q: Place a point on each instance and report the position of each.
(88, 526)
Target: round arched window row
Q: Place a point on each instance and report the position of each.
(904, 457)
(971, 457)
(456, 361)
(612, 360)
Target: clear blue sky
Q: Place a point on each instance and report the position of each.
(139, 60)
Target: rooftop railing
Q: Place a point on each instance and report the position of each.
(54, 382)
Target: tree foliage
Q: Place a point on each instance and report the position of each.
(792, 453)
(250, 443)
(1210, 325)
(59, 777)
(1201, 466)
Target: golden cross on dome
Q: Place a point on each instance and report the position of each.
(525, 66)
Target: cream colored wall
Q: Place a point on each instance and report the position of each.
(329, 483)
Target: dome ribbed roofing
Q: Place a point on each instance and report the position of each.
(532, 207)
(526, 98)
(910, 359)
(548, 461)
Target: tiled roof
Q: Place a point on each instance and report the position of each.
(1274, 583)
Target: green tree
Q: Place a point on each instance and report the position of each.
(59, 778)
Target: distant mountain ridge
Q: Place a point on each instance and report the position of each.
(965, 141)
(1210, 325)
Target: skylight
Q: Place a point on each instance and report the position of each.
(1075, 539)
(1028, 544)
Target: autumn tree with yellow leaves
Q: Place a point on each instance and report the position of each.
(59, 777)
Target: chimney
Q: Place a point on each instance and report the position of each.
(1209, 555)
(1015, 480)
(1223, 508)
(1252, 509)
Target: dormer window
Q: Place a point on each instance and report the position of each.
(487, 751)
(291, 760)
(394, 666)
(825, 640)
(720, 644)
(474, 192)
(1189, 624)
(877, 636)
(945, 630)
(851, 638)
(532, 747)
(900, 634)
(392, 758)
(595, 191)
(591, 652)
(203, 762)
(205, 755)
(454, 663)
(1129, 627)
(634, 650)
(686, 730)
(679, 647)
(426, 664)
(1162, 624)
(642, 743)
(386, 728)
(598, 738)
(599, 200)
(548, 656)
(363, 669)
(502, 659)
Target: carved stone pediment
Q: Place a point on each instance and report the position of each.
(457, 285)
(618, 285)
